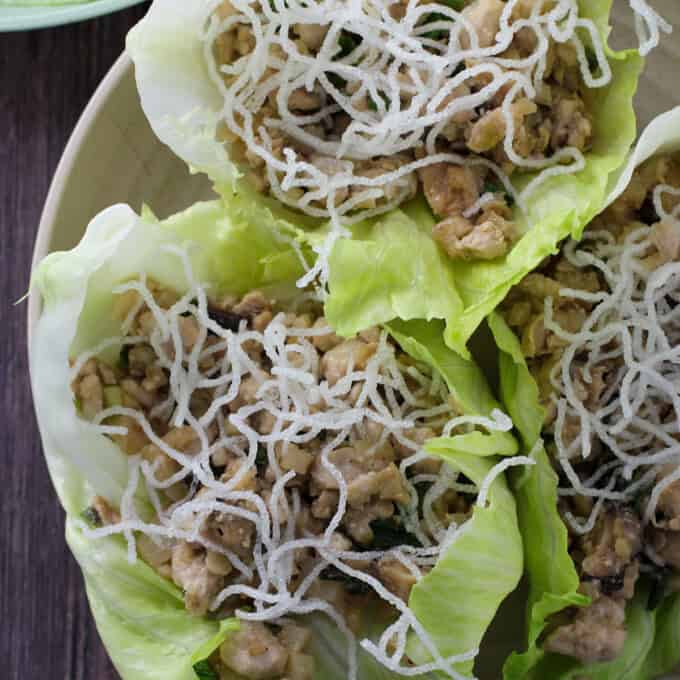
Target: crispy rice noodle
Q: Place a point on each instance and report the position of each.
(649, 25)
(290, 397)
(389, 49)
(636, 321)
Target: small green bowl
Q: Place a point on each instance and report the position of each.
(41, 16)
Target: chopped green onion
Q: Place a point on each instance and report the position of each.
(373, 106)
(348, 42)
(337, 81)
(261, 458)
(491, 187)
(389, 533)
(352, 585)
(91, 517)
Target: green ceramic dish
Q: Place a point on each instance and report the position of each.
(25, 18)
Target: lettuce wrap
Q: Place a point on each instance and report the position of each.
(652, 646)
(417, 280)
(140, 615)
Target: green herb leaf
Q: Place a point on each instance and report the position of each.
(492, 187)
(641, 499)
(495, 188)
(454, 4)
(348, 42)
(124, 358)
(261, 458)
(204, 671)
(373, 106)
(352, 585)
(439, 34)
(272, 4)
(593, 63)
(435, 35)
(389, 533)
(91, 517)
(336, 80)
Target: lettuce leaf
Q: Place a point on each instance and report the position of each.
(664, 656)
(416, 279)
(488, 547)
(662, 135)
(140, 616)
(467, 385)
(553, 580)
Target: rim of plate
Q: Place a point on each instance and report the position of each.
(33, 17)
(46, 226)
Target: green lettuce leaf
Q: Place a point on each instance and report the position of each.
(416, 279)
(519, 392)
(140, 616)
(664, 656)
(390, 268)
(489, 547)
(466, 383)
(553, 580)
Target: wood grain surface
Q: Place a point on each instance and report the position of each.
(46, 79)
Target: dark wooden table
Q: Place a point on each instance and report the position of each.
(46, 79)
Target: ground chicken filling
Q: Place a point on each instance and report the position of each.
(600, 327)
(285, 466)
(346, 110)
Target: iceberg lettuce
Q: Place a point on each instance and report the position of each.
(140, 616)
(416, 279)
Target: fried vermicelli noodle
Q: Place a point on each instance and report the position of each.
(635, 323)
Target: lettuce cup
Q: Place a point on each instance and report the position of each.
(248, 494)
(590, 370)
(496, 126)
